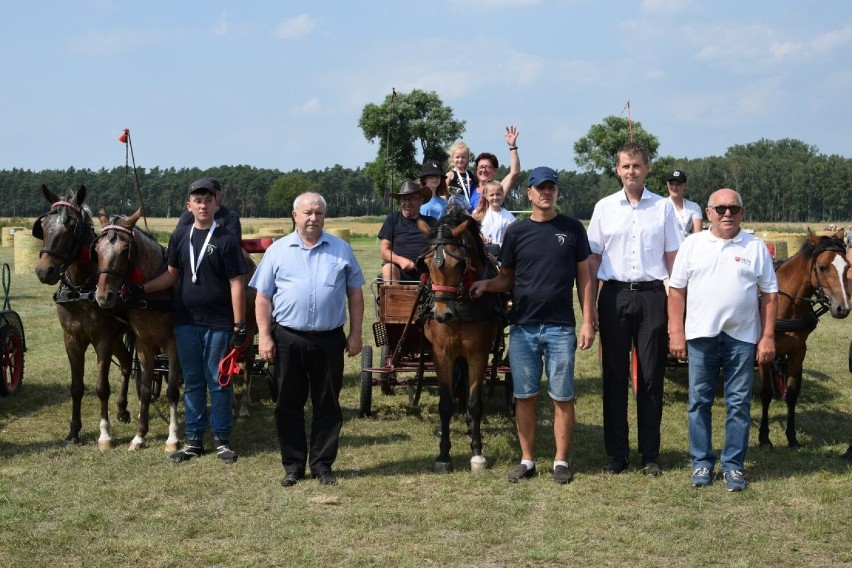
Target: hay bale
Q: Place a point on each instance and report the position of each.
(341, 233)
(781, 250)
(27, 248)
(8, 238)
(270, 232)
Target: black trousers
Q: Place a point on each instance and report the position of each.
(308, 364)
(631, 318)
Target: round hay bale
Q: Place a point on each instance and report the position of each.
(27, 248)
(8, 238)
(341, 233)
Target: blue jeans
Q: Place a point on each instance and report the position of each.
(537, 347)
(736, 360)
(200, 348)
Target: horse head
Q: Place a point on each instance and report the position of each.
(453, 259)
(115, 252)
(828, 272)
(66, 230)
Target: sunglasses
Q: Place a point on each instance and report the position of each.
(720, 209)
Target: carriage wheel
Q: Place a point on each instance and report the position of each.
(385, 378)
(12, 363)
(366, 399)
(850, 356)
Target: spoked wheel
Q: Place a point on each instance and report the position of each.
(11, 361)
(366, 399)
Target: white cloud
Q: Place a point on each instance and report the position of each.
(666, 6)
(300, 26)
(311, 106)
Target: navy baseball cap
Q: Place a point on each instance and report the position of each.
(205, 184)
(542, 174)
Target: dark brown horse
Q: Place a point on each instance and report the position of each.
(67, 233)
(462, 331)
(127, 255)
(810, 283)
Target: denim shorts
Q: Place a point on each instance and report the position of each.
(534, 348)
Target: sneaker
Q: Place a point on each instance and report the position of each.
(189, 451)
(562, 474)
(520, 472)
(701, 477)
(225, 453)
(734, 480)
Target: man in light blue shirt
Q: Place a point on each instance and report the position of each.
(304, 284)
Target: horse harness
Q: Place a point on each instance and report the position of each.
(820, 304)
(61, 208)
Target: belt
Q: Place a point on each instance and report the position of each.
(326, 333)
(635, 286)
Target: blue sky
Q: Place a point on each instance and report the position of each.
(281, 84)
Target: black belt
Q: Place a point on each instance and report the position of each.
(326, 333)
(635, 286)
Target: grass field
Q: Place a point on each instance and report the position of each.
(80, 506)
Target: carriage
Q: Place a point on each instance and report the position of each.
(12, 343)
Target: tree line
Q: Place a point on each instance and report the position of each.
(780, 180)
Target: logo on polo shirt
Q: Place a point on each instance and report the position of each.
(746, 261)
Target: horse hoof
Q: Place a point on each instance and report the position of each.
(443, 467)
(767, 445)
(70, 442)
(105, 444)
(123, 417)
(171, 447)
(136, 445)
(477, 464)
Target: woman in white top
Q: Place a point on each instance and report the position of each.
(688, 212)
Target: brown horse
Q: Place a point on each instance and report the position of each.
(67, 233)
(127, 255)
(810, 283)
(462, 331)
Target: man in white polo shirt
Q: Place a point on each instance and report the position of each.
(725, 281)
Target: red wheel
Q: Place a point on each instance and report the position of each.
(11, 361)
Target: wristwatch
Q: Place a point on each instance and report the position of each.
(240, 326)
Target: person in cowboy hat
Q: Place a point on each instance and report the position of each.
(432, 177)
(402, 241)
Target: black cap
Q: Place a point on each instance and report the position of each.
(431, 168)
(205, 184)
(677, 175)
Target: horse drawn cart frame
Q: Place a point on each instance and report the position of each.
(12, 342)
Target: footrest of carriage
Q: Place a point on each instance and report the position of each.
(380, 333)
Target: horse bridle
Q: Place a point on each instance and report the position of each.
(60, 208)
(110, 232)
(436, 246)
(820, 297)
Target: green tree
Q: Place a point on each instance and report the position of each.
(595, 152)
(286, 188)
(403, 124)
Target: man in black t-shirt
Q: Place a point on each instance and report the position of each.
(541, 258)
(402, 240)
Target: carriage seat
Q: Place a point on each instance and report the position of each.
(257, 245)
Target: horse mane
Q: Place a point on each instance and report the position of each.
(810, 249)
(118, 219)
(455, 216)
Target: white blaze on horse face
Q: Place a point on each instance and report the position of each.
(840, 265)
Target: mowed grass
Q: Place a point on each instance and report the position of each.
(80, 506)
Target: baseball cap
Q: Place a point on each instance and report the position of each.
(431, 168)
(205, 184)
(677, 175)
(542, 174)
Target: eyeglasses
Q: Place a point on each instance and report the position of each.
(485, 167)
(720, 209)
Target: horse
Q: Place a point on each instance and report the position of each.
(462, 330)
(815, 276)
(67, 232)
(125, 256)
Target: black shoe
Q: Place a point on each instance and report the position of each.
(326, 477)
(519, 472)
(189, 451)
(617, 465)
(562, 474)
(292, 478)
(652, 469)
(225, 453)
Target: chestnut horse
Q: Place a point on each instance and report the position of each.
(463, 331)
(810, 283)
(67, 233)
